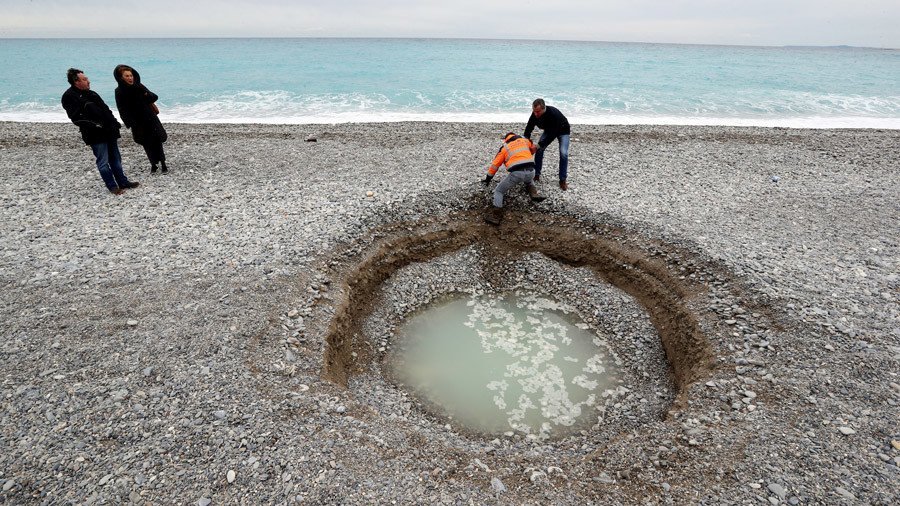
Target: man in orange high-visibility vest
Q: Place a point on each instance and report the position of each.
(517, 154)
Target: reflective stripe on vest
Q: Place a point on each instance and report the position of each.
(510, 153)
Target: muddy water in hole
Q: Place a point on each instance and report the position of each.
(505, 364)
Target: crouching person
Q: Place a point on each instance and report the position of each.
(517, 154)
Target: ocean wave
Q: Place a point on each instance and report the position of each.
(623, 107)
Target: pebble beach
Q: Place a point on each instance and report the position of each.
(174, 345)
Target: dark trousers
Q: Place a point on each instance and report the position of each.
(155, 153)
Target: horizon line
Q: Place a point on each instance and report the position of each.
(588, 41)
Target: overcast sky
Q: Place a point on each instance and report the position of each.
(754, 22)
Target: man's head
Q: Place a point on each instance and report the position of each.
(538, 107)
(78, 79)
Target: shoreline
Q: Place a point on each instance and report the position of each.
(805, 123)
(173, 344)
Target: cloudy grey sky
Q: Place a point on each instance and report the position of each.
(755, 22)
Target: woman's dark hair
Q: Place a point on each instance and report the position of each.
(72, 75)
(121, 68)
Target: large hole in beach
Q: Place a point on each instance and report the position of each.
(543, 327)
(500, 364)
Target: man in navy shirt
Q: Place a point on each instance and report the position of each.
(555, 126)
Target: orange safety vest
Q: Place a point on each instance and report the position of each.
(514, 151)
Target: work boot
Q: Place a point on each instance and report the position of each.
(537, 179)
(563, 185)
(533, 192)
(153, 168)
(165, 169)
(493, 215)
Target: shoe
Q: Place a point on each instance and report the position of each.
(131, 184)
(533, 192)
(117, 191)
(493, 215)
(153, 168)
(165, 168)
(537, 179)
(563, 185)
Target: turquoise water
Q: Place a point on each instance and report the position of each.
(341, 80)
(505, 365)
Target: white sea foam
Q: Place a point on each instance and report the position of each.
(282, 108)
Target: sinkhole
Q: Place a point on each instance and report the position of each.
(505, 363)
(544, 327)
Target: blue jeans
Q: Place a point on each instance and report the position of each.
(563, 156)
(109, 163)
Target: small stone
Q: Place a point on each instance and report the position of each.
(220, 414)
(605, 478)
(292, 313)
(204, 501)
(896, 445)
(311, 139)
(666, 487)
(847, 431)
(777, 490)
(147, 372)
(105, 480)
(230, 475)
(8, 485)
(497, 486)
(845, 494)
(132, 323)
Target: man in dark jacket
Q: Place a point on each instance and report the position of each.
(99, 129)
(555, 126)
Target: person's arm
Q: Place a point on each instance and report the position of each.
(122, 106)
(499, 159)
(148, 96)
(77, 111)
(552, 120)
(532, 120)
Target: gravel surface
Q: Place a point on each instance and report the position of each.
(168, 345)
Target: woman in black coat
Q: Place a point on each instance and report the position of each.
(139, 113)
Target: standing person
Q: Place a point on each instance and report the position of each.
(517, 153)
(99, 129)
(555, 126)
(138, 110)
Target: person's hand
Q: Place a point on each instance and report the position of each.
(487, 180)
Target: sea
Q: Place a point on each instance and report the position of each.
(340, 80)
